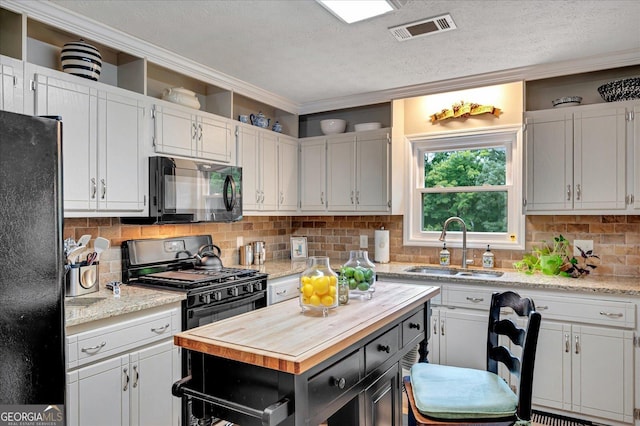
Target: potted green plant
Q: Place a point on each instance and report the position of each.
(555, 259)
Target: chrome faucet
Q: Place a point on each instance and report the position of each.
(464, 236)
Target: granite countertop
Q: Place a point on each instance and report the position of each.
(101, 304)
(629, 286)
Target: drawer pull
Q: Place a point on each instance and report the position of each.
(415, 325)
(542, 308)
(384, 348)
(612, 314)
(281, 292)
(95, 348)
(340, 383)
(475, 299)
(160, 329)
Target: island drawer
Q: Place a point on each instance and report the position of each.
(282, 289)
(333, 381)
(412, 327)
(381, 349)
(102, 342)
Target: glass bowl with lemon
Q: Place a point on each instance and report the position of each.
(318, 286)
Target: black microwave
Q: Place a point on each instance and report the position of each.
(184, 191)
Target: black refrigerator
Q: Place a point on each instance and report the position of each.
(32, 364)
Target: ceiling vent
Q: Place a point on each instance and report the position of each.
(425, 27)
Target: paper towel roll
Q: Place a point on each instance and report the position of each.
(381, 254)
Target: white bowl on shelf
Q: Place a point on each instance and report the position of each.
(368, 126)
(333, 126)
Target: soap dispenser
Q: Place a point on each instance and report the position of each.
(487, 258)
(445, 256)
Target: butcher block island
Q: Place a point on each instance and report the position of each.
(279, 366)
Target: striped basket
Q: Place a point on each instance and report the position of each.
(81, 59)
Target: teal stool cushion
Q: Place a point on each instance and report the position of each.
(445, 392)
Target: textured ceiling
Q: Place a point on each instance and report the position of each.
(298, 50)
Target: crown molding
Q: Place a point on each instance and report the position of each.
(57, 16)
(535, 72)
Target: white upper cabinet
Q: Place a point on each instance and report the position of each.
(313, 175)
(258, 156)
(358, 172)
(11, 84)
(576, 160)
(102, 133)
(179, 131)
(287, 173)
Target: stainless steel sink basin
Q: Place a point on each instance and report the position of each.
(430, 270)
(427, 270)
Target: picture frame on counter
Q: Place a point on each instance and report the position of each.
(298, 248)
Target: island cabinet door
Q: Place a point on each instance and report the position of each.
(382, 400)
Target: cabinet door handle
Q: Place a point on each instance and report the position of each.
(94, 348)
(612, 314)
(104, 188)
(357, 197)
(567, 346)
(200, 132)
(578, 192)
(415, 325)
(442, 327)
(568, 192)
(577, 345)
(281, 198)
(94, 188)
(322, 197)
(351, 197)
(475, 299)
(135, 381)
(125, 371)
(194, 129)
(435, 328)
(384, 348)
(339, 382)
(160, 329)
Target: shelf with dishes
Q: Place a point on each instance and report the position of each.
(355, 119)
(611, 85)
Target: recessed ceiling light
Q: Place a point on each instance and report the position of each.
(356, 10)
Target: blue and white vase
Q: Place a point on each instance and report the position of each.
(81, 59)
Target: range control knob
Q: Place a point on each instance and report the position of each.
(217, 296)
(248, 288)
(257, 286)
(205, 298)
(233, 291)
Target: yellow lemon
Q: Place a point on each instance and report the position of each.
(333, 280)
(332, 291)
(321, 285)
(327, 300)
(305, 280)
(314, 300)
(307, 290)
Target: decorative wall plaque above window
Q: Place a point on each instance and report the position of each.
(464, 110)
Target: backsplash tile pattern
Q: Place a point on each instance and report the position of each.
(616, 238)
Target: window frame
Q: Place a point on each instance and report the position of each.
(509, 137)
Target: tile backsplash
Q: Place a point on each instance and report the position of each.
(616, 238)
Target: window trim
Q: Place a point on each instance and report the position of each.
(508, 136)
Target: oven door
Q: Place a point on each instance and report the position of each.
(196, 317)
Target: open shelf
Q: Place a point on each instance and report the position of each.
(10, 34)
(539, 94)
(119, 69)
(213, 99)
(247, 106)
(309, 124)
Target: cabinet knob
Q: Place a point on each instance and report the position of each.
(339, 382)
(414, 325)
(384, 348)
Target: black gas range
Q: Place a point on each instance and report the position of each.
(212, 294)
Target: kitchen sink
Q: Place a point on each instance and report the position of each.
(429, 270)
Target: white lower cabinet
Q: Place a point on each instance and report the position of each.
(458, 338)
(132, 387)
